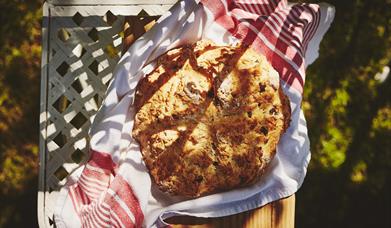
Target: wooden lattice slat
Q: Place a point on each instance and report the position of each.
(82, 42)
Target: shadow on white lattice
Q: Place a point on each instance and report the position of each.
(81, 46)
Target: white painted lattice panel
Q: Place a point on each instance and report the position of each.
(82, 41)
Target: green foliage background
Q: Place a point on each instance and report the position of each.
(347, 108)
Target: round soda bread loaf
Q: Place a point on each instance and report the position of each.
(209, 118)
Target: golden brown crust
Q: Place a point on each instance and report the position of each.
(209, 118)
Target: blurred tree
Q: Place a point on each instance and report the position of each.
(347, 102)
(19, 108)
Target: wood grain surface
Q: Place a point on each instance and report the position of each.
(278, 214)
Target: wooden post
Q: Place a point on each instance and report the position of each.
(278, 214)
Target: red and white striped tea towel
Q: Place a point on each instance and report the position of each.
(114, 189)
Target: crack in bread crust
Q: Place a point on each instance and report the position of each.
(209, 118)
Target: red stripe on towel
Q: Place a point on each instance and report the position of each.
(102, 160)
(121, 187)
(281, 33)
